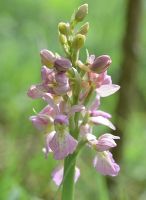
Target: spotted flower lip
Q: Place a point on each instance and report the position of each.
(105, 164)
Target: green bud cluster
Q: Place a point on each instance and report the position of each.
(73, 40)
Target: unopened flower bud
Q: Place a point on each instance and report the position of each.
(62, 39)
(101, 64)
(81, 12)
(62, 64)
(84, 29)
(63, 28)
(47, 58)
(78, 41)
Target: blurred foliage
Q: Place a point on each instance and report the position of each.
(25, 28)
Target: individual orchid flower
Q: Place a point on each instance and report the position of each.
(103, 143)
(103, 84)
(62, 143)
(103, 161)
(105, 164)
(48, 80)
(43, 118)
(99, 117)
(57, 175)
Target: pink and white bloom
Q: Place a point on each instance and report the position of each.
(57, 175)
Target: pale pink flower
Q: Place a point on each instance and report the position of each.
(62, 144)
(57, 175)
(43, 118)
(63, 107)
(103, 84)
(105, 164)
(103, 143)
(48, 80)
(53, 82)
(106, 141)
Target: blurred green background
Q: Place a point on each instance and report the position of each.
(25, 28)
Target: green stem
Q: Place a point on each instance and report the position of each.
(69, 173)
(68, 184)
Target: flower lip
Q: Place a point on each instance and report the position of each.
(105, 164)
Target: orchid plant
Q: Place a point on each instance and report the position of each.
(73, 90)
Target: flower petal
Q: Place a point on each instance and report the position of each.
(76, 108)
(48, 97)
(47, 148)
(35, 91)
(107, 90)
(103, 121)
(101, 113)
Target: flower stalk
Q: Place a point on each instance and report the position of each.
(72, 90)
